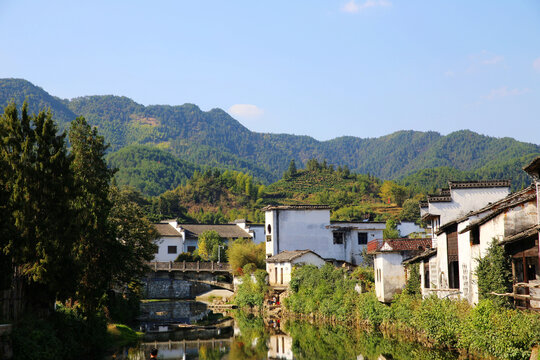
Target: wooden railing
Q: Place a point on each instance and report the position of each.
(198, 266)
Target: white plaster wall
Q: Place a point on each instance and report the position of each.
(163, 243)
(465, 262)
(287, 267)
(258, 233)
(352, 251)
(270, 219)
(407, 227)
(442, 262)
(379, 284)
(393, 275)
(190, 242)
(303, 229)
(280, 347)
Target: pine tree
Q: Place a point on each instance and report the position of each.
(37, 183)
(96, 246)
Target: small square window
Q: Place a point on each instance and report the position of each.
(362, 238)
(191, 249)
(338, 238)
(268, 238)
(475, 236)
(171, 250)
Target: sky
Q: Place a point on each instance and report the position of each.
(325, 69)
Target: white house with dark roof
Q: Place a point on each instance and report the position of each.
(442, 211)
(178, 238)
(389, 271)
(279, 267)
(296, 227)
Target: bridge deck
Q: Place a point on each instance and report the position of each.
(208, 266)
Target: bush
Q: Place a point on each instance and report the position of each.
(65, 335)
(251, 292)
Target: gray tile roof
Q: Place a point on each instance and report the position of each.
(166, 230)
(296, 207)
(287, 256)
(224, 230)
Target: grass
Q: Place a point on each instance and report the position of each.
(123, 335)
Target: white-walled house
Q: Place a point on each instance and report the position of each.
(512, 220)
(279, 267)
(298, 227)
(169, 243)
(389, 271)
(177, 238)
(442, 211)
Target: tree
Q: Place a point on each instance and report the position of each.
(208, 246)
(291, 171)
(494, 273)
(134, 235)
(35, 193)
(392, 192)
(410, 211)
(245, 251)
(391, 231)
(96, 247)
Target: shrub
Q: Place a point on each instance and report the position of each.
(494, 274)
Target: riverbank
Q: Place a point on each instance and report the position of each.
(489, 330)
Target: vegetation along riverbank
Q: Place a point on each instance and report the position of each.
(328, 294)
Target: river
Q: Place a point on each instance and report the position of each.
(251, 337)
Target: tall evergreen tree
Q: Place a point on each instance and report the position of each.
(36, 187)
(96, 245)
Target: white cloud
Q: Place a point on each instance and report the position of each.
(493, 60)
(352, 7)
(536, 64)
(504, 92)
(246, 111)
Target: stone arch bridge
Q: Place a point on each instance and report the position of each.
(186, 280)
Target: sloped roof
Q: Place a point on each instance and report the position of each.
(392, 245)
(425, 255)
(533, 168)
(527, 233)
(224, 230)
(477, 184)
(166, 230)
(296, 207)
(288, 256)
(498, 207)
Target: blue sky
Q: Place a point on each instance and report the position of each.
(321, 68)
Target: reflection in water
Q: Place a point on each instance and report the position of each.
(249, 338)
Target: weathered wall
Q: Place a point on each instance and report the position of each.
(280, 347)
(162, 286)
(392, 273)
(163, 244)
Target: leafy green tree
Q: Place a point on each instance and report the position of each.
(412, 287)
(494, 273)
(391, 231)
(244, 251)
(410, 211)
(208, 246)
(135, 235)
(36, 187)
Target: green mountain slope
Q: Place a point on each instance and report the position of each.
(213, 138)
(150, 170)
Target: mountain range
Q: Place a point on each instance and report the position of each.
(215, 139)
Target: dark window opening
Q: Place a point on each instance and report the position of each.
(453, 272)
(362, 238)
(426, 276)
(171, 249)
(475, 236)
(191, 249)
(338, 237)
(269, 228)
(268, 237)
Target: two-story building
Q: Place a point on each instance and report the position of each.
(177, 238)
(299, 227)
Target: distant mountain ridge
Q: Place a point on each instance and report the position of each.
(214, 138)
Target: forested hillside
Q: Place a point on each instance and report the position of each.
(214, 139)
